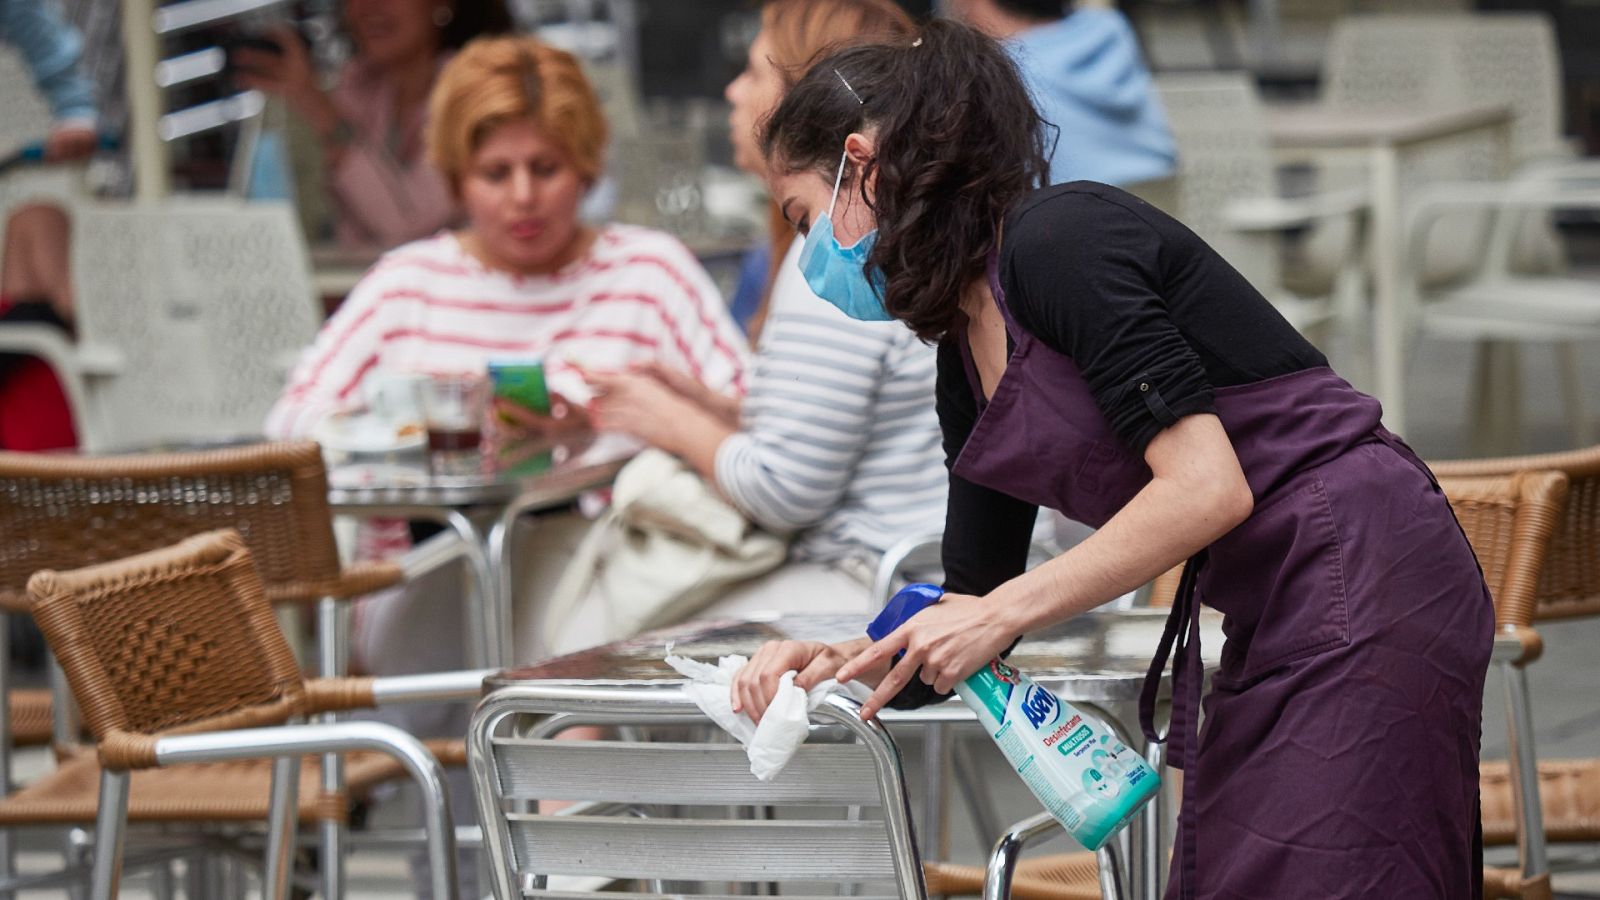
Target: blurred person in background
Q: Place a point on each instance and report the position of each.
(35, 275)
(1089, 81)
(836, 441)
(517, 132)
(371, 124)
(518, 137)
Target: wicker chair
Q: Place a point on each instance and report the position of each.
(1508, 520)
(180, 668)
(65, 512)
(1568, 587)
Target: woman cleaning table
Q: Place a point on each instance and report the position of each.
(1096, 357)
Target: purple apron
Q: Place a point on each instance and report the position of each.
(1339, 757)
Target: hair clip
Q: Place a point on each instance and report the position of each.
(849, 88)
(917, 42)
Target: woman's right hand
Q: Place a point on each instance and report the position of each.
(289, 75)
(755, 685)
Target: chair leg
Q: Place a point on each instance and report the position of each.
(110, 825)
(968, 777)
(333, 639)
(8, 863)
(1108, 860)
(1580, 421)
(1525, 776)
(278, 876)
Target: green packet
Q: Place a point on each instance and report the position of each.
(521, 382)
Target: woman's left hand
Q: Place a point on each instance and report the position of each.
(948, 641)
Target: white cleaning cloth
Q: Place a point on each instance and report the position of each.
(771, 744)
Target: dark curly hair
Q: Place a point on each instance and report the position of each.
(958, 144)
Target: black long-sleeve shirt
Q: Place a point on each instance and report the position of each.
(1132, 296)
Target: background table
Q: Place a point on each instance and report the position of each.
(1096, 661)
(1382, 136)
(525, 478)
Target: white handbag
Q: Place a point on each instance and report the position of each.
(667, 548)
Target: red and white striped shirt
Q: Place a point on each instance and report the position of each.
(638, 296)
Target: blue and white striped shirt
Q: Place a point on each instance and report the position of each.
(839, 440)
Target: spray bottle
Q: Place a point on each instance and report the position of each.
(1090, 781)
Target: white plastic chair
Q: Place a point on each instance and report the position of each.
(189, 314)
(1226, 192)
(1498, 307)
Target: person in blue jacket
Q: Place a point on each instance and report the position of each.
(1088, 80)
(52, 49)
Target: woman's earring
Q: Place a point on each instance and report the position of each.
(442, 15)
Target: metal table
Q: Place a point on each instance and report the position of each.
(524, 478)
(1096, 661)
(1382, 136)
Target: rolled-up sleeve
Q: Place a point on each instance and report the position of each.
(1085, 278)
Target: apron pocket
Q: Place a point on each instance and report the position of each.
(1279, 577)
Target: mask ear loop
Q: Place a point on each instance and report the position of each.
(837, 180)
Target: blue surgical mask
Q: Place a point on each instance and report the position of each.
(836, 273)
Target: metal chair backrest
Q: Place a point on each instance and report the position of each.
(1223, 157)
(69, 511)
(189, 315)
(1569, 582)
(684, 812)
(176, 639)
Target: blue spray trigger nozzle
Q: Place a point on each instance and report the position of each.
(907, 602)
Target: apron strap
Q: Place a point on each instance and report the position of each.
(1180, 641)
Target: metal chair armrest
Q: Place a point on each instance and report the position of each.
(365, 577)
(896, 556)
(1517, 645)
(1002, 863)
(345, 694)
(339, 737)
(434, 553)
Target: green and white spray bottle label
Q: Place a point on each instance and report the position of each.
(1085, 777)
(1080, 771)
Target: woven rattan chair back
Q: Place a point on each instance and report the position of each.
(1569, 584)
(67, 512)
(1509, 519)
(172, 640)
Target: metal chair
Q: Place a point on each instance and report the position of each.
(189, 314)
(1568, 587)
(1509, 521)
(68, 511)
(671, 813)
(176, 658)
